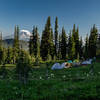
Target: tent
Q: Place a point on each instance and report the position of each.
(76, 63)
(87, 62)
(58, 66)
(63, 65)
(69, 61)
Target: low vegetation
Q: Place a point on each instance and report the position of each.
(72, 84)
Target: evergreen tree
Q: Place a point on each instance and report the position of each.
(52, 47)
(59, 48)
(36, 46)
(71, 47)
(33, 40)
(92, 42)
(76, 40)
(63, 44)
(31, 45)
(2, 51)
(1, 39)
(86, 52)
(56, 36)
(16, 44)
(44, 48)
(9, 56)
(81, 48)
(16, 37)
(47, 40)
(34, 43)
(2, 55)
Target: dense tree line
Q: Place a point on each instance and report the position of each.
(61, 46)
(52, 45)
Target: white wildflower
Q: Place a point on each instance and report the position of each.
(87, 75)
(64, 76)
(40, 77)
(52, 75)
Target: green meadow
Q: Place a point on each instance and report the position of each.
(77, 83)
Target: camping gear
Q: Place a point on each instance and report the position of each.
(76, 61)
(68, 65)
(57, 66)
(63, 65)
(87, 62)
(69, 61)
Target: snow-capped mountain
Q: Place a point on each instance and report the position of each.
(23, 35)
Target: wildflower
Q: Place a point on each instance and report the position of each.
(87, 75)
(64, 76)
(52, 75)
(98, 72)
(48, 77)
(40, 77)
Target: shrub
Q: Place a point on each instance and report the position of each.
(38, 59)
(3, 71)
(23, 66)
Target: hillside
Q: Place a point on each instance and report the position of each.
(9, 42)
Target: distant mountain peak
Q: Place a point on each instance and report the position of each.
(23, 35)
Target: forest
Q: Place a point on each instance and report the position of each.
(27, 74)
(52, 45)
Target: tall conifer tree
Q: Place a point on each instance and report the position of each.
(34, 43)
(37, 44)
(16, 44)
(71, 47)
(2, 51)
(81, 48)
(76, 40)
(52, 47)
(56, 36)
(31, 45)
(1, 39)
(86, 52)
(46, 41)
(63, 44)
(59, 48)
(93, 41)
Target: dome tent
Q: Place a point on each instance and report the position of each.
(58, 66)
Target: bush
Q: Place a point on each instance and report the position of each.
(23, 66)
(3, 71)
(38, 60)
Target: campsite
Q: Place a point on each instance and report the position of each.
(75, 83)
(49, 49)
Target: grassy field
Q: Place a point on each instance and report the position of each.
(66, 84)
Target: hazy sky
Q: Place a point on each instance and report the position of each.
(27, 13)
